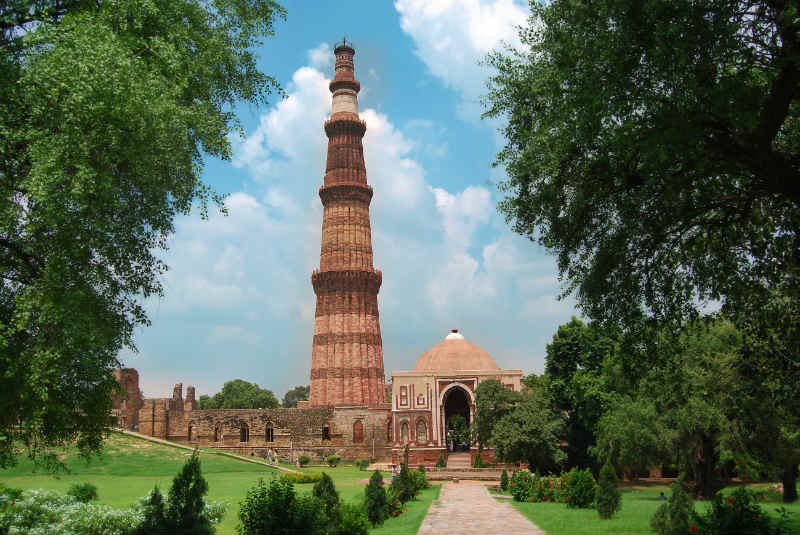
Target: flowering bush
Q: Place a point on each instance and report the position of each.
(737, 513)
(580, 488)
(44, 512)
(394, 505)
(520, 485)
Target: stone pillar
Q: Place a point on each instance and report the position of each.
(347, 351)
(190, 403)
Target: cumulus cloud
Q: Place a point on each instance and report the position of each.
(321, 57)
(452, 36)
(240, 284)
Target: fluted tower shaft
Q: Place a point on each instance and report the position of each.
(347, 353)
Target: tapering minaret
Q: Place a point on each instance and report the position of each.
(347, 354)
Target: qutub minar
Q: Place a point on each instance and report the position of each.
(347, 413)
(347, 354)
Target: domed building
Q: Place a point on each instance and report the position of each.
(441, 386)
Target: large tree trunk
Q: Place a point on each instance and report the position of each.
(790, 483)
(704, 468)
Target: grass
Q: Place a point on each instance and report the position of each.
(129, 467)
(639, 503)
(411, 520)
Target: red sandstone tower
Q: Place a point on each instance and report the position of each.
(347, 354)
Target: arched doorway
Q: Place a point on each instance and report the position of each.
(457, 419)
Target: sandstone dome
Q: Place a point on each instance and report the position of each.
(455, 353)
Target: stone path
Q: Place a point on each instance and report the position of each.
(467, 507)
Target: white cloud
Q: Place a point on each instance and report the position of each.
(462, 213)
(241, 283)
(321, 57)
(452, 36)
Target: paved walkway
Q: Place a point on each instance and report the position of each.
(467, 507)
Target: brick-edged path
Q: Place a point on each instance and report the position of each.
(467, 507)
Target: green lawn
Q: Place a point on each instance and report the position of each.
(638, 506)
(129, 467)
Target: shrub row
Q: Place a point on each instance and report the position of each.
(276, 509)
(576, 488)
(299, 479)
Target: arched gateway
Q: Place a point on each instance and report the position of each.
(438, 392)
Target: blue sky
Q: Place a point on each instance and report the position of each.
(239, 302)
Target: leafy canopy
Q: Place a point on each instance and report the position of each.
(531, 433)
(298, 393)
(240, 394)
(492, 401)
(652, 147)
(107, 109)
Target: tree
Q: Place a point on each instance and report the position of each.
(185, 505)
(106, 112)
(325, 491)
(492, 401)
(240, 394)
(298, 393)
(375, 499)
(154, 520)
(652, 148)
(630, 435)
(607, 494)
(576, 382)
(531, 433)
(768, 374)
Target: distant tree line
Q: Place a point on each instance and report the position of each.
(241, 394)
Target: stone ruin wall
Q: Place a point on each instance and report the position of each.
(353, 432)
(125, 406)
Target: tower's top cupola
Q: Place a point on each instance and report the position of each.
(344, 85)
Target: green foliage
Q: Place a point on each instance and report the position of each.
(457, 429)
(154, 519)
(521, 483)
(734, 514)
(504, 480)
(299, 479)
(576, 383)
(607, 496)
(404, 485)
(632, 435)
(646, 177)
(420, 479)
(530, 433)
(676, 516)
(363, 464)
(375, 500)
(353, 520)
(581, 488)
(240, 394)
(478, 462)
(106, 112)
(185, 504)
(441, 462)
(38, 512)
(333, 460)
(304, 460)
(325, 492)
(83, 492)
(277, 510)
(298, 393)
(492, 401)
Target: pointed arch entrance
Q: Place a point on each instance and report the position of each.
(456, 409)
